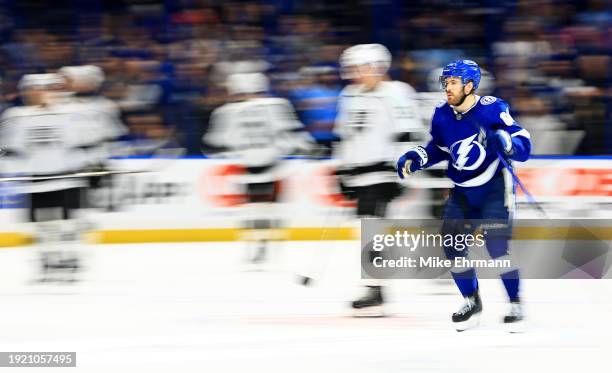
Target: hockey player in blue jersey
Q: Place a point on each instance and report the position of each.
(472, 133)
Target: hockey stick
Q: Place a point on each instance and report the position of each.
(515, 178)
(320, 260)
(167, 155)
(532, 201)
(75, 175)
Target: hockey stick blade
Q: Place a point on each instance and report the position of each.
(76, 175)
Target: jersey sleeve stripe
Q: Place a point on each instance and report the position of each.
(523, 132)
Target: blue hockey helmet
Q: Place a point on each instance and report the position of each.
(467, 70)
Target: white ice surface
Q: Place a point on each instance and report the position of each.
(198, 308)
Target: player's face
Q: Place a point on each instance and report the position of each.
(70, 84)
(454, 89)
(80, 86)
(33, 96)
(54, 93)
(367, 75)
(349, 72)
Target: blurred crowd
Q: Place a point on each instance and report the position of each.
(165, 61)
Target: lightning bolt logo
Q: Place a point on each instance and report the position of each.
(464, 147)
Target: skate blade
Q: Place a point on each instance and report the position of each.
(369, 312)
(516, 327)
(256, 267)
(473, 322)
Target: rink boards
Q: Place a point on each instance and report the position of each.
(198, 199)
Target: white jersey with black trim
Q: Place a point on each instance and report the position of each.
(102, 117)
(369, 123)
(44, 141)
(259, 131)
(103, 114)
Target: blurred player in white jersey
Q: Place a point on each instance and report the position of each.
(44, 140)
(100, 114)
(374, 113)
(259, 130)
(103, 119)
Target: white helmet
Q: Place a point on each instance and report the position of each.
(87, 74)
(40, 80)
(365, 54)
(247, 83)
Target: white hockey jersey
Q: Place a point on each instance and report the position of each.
(259, 131)
(369, 123)
(101, 117)
(104, 114)
(44, 141)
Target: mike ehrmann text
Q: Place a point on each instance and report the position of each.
(435, 262)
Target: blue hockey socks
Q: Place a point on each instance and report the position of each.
(511, 283)
(466, 281)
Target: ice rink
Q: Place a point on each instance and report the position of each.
(199, 308)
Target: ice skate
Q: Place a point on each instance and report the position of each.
(370, 305)
(514, 320)
(469, 315)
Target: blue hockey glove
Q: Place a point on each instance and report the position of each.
(413, 160)
(501, 142)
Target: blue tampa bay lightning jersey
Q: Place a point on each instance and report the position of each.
(461, 138)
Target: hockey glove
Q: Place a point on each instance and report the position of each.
(413, 160)
(501, 143)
